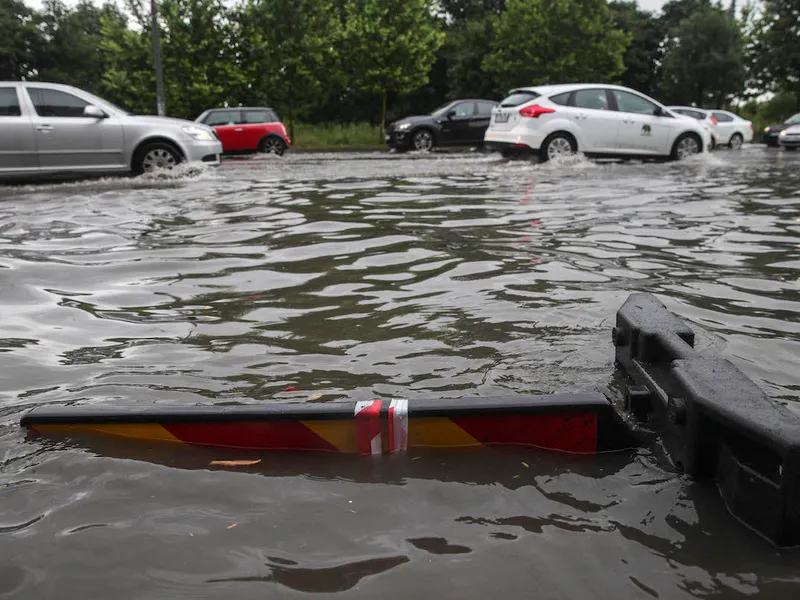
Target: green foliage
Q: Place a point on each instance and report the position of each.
(128, 79)
(389, 45)
(288, 51)
(776, 40)
(323, 61)
(463, 52)
(704, 63)
(18, 40)
(556, 41)
(70, 52)
(643, 55)
(337, 136)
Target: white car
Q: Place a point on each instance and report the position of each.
(704, 116)
(596, 119)
(733, 130)
(50, 129)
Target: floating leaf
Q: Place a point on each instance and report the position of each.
(231, 526)
(314, 397)
(235, 463)
(290, 388)
(524, 464)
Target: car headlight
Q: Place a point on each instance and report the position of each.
(197, 133)
(402, 126)
(766, 129)
(783, 133)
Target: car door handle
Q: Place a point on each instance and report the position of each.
(239, 129)
(44, 128)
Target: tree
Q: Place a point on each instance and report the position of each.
(471, 10)
(705, 61)
(643, 55)
(71, 38)
(288, 51)
(463, 51)
(389, 46)
(18, 40)
(777, 45)
(556, 41)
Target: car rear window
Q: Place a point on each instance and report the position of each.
(519, 97)
(259, 116)
(9, 103)
(691, 113)
(723, 117)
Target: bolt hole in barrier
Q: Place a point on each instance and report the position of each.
(716, 425)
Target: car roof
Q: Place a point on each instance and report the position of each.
(703, 110)
(50, 84)
(239, 108)
(549, 90)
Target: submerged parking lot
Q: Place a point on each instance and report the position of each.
(327, 276)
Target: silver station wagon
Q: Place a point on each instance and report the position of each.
(52, 129)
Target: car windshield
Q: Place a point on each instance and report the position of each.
(793, 120)
(441, 110)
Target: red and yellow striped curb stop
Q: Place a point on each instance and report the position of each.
(575, 423)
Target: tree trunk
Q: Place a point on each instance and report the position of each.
(291, 113)
(383, 117)
(161, 105)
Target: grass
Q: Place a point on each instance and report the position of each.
(337, 136)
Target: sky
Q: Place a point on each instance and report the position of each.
(652, 5)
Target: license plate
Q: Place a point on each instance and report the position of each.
(501, 118)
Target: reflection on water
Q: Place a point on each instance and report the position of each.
(378, 276)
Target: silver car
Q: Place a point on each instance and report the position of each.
(52, 129)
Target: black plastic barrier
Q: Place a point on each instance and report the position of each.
(715, 423)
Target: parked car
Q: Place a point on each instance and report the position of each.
(789, 138)
(53, 129)
(733, 130)
(704, 116)
(457, 123)
(598, 120)
(771, 132)
(246, 129)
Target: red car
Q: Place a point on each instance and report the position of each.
(244, 129)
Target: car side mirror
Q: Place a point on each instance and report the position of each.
(659, 112)
(451, 114)
(93, 112)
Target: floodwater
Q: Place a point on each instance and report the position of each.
(374, 275)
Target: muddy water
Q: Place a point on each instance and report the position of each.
(362, 276)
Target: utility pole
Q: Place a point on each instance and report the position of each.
(160, 102)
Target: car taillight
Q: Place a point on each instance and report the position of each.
(533, 112)
(713, 119)
(751, 126)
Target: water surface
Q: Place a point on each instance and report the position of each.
(361, 276)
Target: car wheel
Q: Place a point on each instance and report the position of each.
(736, 141)
(558, 144)
(685, 146)
(272, 145)
(423, 140)
(155, 156)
